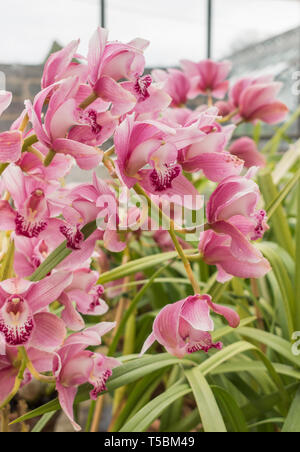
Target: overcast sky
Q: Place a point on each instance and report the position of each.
(176, 28)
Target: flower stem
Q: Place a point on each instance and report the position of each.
(29, 142)
(3, 167)
(173, 236)
(229, 116)
(49, 157)
(32, 369)
(88, 101)
(36, 152)
(185, 260)
(24, 123)
(18, 381)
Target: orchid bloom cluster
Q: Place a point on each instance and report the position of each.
(160, 146)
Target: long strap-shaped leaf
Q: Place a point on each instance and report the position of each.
(143, 418)
(292, 422)
(230, 410)
(240, 347)
(208, 408)
(281, 346)
(138, 265)
(122, 375)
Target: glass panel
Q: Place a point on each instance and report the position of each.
(29, 28)
(175, 30)
(260, 37)
(240, 23)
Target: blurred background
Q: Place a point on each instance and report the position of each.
(258, 36)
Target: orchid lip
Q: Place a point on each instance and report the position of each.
(73, 235)
(90, 117)
(162, 178)
(16, 321)
(259, 230)
(193, 348)
(141, 87)
(29, 228)
(100, 383)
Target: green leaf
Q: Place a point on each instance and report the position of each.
(138, 397)
(286, 162)
(131, 309)
(284, 282)
(292, 422)
(6, 270)
(257, 408)
(230, 409)
(43, 422)
(186, 424)
(208, 408)
(297, 271)
(279, 221)
(222, 332)
(277, 201)
(122, 375)
(274, 420)
(253, 367)
(224, 355)
(241, 347)
(149, 413)
(138, 265)
(281, 346)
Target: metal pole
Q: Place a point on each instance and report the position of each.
(209, 27)
(102, 14)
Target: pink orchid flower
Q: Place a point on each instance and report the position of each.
(234, 221)
(256, 100)
(153, 143)
(207, 153)
(175, 83)
(94, 125)
(85, 292)
(110, 62)
(150, 98)
(74, 366)
(41, 360)
(60, 117)
(207, 77)
(31, 200)
(24, 320)
(60, 65)
(245, 149)
(183, 327)
(11, 141)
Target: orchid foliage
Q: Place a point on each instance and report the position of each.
(86, 289)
